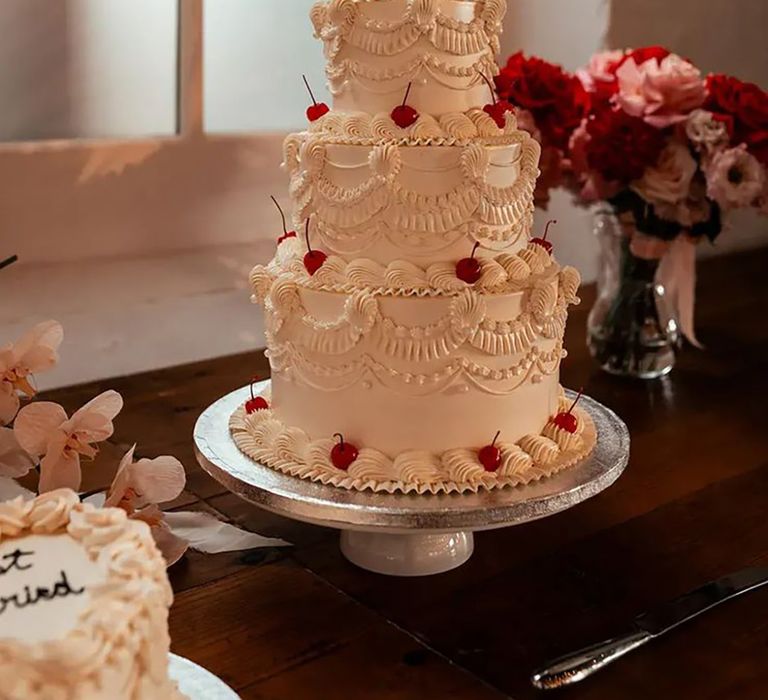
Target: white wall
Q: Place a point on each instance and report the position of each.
(564, 31)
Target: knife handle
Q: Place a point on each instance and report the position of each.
(575, 667)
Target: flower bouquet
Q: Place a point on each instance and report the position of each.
(666, 152)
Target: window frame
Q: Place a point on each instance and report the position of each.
(189, 97)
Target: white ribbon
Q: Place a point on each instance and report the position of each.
(677, 273)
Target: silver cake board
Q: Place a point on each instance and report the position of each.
(399, 534)
(196, 683)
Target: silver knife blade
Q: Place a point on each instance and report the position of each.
(672, 614)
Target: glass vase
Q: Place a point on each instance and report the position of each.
(632, 329)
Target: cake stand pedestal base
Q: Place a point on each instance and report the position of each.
(400, 534)
(407, 555)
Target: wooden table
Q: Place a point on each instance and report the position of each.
(692, 505)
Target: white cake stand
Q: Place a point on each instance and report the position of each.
(196, 683)
(406, 535)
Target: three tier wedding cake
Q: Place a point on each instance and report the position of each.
(414, 328)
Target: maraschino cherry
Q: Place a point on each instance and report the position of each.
(316, 109)
(404, 115)
(255, 403)
(543, 242)
(498, 109)
(343, 453)
(286, 233)
(314, 259)
(567, 421)
(468, 269)
(490, 456)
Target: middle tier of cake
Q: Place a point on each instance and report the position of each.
(423, 204)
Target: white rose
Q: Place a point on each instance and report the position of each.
(706, 132)
(669, 181)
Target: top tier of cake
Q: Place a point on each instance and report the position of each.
(444, 48)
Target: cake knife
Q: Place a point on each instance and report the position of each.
(581, 664)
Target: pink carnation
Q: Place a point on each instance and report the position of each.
(735, 178)
(599, 76)
(660, 92)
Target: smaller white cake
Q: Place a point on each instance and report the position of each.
(84, 600)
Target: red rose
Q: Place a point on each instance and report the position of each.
(744, 106)
(723, 94)
(752, 106)
(557, 100)
(620, 146)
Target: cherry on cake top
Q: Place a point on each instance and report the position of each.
(375, 47)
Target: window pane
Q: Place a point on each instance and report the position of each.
(255, 53)
(87, 68)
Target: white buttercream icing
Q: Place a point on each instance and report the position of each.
(112, 644)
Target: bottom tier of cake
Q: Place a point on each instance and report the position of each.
(289, 449)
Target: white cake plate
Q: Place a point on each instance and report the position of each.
(399, 534)
(196, 683)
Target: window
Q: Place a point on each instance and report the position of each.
(255, 54)
(88, 68)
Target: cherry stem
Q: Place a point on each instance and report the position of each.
(493, 444)
(306, 235)
(282, 215)
(494, 97)
(552, 222)
(407, 93)
(578, 398)
(9, 261)
(253, 381)
(341, 438)
(474, 250)
(309, 90)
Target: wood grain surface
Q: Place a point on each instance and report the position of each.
(304, 623)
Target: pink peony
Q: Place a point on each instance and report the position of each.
(735, 178)
(663, 92)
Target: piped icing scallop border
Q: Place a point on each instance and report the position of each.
(496, 216)
(338, 21)
(266, 440)
(451, 129)
(127, 614)
(502, 274)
